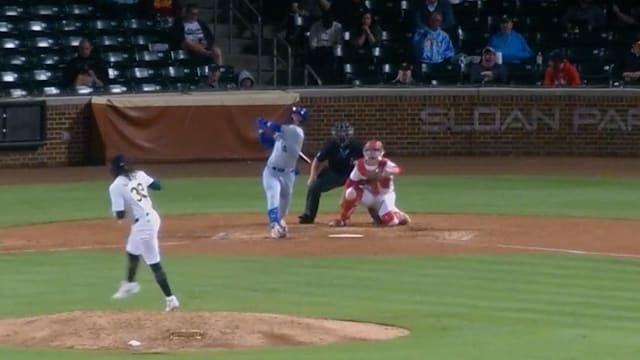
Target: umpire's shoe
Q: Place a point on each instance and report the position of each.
(305, 219)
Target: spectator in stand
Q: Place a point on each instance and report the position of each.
(626, 14)
(245, 80)
(432, 44)
(369, 34)
(85, 69)
(561, 72)
(213, 77)
(584, 14)
(194, 36)
(405, 76)
(488, 71)
(631, 69)
(347, 12)
(510, 43)
(160, 8)
(323, 37)
(306, 8)
(425, 8)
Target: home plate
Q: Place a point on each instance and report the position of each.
(346, 235)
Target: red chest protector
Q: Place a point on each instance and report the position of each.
(374, 186)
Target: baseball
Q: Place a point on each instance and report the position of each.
(134, 343)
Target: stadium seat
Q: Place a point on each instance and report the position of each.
(164, 23)
(71, 42)
(360, 73)
(147, 87)
(44, 77)
(179, 74)
(139, 26)
(37, 26)
(443, 73)
(83, 90)
(75, 26)
(109, 42)
(8, 28)
(45, 11)
(50, 91)
(116, 75)
(11, 78)
(105, 27)
(141, 42)
(388, 72)
(50, 60)
(179, 56)
(12, 11)
(524, 74)
(586, 54)
(15, 60)
(11, 43)
(227, 73)
(44, 42)
(80, 11)
(150, 58)
(115, 58)
(143, 73)
(117, 89)
(17, 92)
(595, 73)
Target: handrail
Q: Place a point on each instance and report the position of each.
(248, 25)
(289, 60)
(308, 69)
(215, 16)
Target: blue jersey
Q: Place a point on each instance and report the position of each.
(288, 144)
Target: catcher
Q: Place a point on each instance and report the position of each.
(371, 184)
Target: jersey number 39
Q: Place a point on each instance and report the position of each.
(138, 192)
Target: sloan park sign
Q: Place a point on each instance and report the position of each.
(495, 119)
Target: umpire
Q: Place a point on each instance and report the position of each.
(341, 150)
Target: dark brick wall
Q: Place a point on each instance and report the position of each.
(472, 123)
(67, 140)
(492, 122)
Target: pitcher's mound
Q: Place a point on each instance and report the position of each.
(183, 331)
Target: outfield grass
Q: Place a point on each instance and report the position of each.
(482, 307)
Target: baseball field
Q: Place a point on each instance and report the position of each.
(505, 259)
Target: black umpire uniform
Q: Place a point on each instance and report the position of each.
(341, 150)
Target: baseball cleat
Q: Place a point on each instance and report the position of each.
(403, 219)
(172, 304)
(277, 232)
(337, 222)
(305, 219)
(126, 289)
(284, 227)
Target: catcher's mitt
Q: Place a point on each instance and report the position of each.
(379, 172)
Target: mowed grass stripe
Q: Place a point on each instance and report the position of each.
(616, 198)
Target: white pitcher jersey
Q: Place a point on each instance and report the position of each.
(131, 194)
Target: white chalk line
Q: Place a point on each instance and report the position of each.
(87, 247)
(568, 251)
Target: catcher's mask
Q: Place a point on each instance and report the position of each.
(119, 165)
(301, 112)
(342, 131)
(373, 150)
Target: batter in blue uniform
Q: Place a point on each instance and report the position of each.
(279, 175)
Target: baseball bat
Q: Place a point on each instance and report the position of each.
(304, 157)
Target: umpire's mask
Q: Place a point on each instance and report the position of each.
(342, 131)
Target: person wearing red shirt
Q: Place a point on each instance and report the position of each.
(561, 72)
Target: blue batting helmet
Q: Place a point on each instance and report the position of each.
(302, 112)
